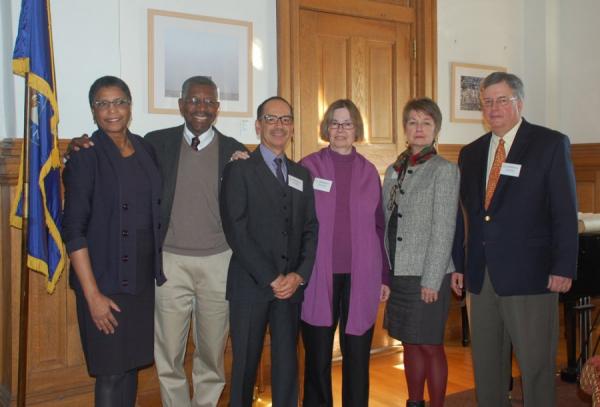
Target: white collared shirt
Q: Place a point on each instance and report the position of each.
(509, 137)
(205, 138)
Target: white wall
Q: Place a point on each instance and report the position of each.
(540, 72)
(7, 105)
(484, 32)
(109, 37)
(578, 85)
(550, 44)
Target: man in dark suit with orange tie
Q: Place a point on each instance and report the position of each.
(518, 197)
(268, 214)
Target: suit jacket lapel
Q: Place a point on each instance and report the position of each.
(515, 156)
(270, 184)
(170, 162)
(222, 159)
(148, 165)
(519, 146)
(110, 150)
(296, 195)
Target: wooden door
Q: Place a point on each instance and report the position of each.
(363, 59)
(379, 53)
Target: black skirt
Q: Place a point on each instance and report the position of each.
(132, 344)
(409, 319)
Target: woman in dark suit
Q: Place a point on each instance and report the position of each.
(110, 227)
(420, 196)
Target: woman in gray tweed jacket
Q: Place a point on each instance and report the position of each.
(420, 198)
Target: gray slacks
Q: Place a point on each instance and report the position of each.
(530, 323)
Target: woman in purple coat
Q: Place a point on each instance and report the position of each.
(350, 276)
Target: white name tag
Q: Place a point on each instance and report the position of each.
(321, 184)
(512, 170)
(295, 183)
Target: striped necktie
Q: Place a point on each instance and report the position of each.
(195, 142)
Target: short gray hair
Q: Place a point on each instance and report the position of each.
(198, 80)
(512, 80)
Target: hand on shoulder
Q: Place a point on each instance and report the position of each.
(77, 143)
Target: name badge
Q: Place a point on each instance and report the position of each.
(295, 183)
(321, 184)
(511, 170)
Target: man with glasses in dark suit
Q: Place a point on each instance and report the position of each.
(268, 213)
(517, 191)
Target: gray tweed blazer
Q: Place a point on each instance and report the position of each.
(427, 219)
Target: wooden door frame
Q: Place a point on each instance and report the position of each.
(425, 37)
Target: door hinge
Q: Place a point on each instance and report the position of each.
(414, 49)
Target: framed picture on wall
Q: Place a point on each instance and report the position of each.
(465, 105)
(184, 45)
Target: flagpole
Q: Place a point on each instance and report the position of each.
(24, 292)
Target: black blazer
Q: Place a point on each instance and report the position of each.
(95, 214)
(257, 224)
(167, 144)
(530, 229)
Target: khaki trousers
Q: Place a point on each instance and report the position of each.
(530, 323)
(194, 293)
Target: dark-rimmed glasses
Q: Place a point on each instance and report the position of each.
(272, 119)
(344, 125)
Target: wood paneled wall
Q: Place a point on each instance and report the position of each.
(56, 370)
(586, 158)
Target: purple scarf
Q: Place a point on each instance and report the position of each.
(366, 268)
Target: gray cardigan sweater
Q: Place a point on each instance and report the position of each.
(426, 226)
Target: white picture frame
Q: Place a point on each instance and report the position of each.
(223, 52)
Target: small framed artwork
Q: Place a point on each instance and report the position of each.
(465, 106)
(184, 45)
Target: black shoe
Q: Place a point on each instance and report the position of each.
(410, 403)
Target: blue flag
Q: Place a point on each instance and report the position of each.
(33, 59)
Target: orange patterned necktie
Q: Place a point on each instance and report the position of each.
(499, 158)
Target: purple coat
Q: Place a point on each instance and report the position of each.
(369, 264)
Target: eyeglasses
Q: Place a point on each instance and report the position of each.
(106, 104)
(196, 101)
(502, 101)
(343, 125)
(272, 119)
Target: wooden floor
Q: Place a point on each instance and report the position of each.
(388, 386)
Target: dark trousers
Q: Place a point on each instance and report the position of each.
(119, 390)
(248, 324)
(318, 343)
